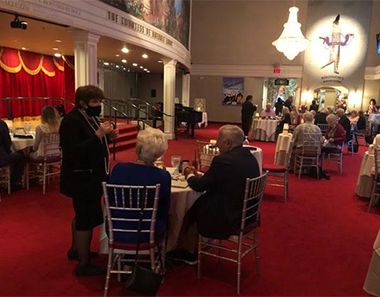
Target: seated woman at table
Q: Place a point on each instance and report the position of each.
(151, 145)
(284, 120)
(268, 112)
(335, 135)
(7, 157)
(49, 124)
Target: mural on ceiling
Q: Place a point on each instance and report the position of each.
(170, 16)
(335, 43)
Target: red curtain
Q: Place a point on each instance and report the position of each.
(36, 78)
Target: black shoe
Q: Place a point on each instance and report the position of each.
(89, 270)
(183, 256)
(72, 255)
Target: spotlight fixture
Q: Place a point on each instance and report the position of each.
(125, 50)
(135, 64)
(141, 67)
(145, 69)
(124, 61)
(148, 71)
(106, 63)
(58, 55)
(17, 24)
(117, 66)
(145, 56)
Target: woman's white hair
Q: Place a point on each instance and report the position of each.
(332, 117)
(151, 144)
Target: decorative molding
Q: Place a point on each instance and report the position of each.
(372, 73)
(246, 70)
(93, 16)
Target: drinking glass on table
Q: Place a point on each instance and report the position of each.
(27, 128)
(176, 160)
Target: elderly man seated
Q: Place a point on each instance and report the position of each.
(217, 213)
(306, 132)
(345, 122)
(268, 112)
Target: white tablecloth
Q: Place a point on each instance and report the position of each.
(180, 202)
(365, 183)
(258, 153)
(204, 120)
(372, 282)
(282, 147)
(19, 144)
(263, 130)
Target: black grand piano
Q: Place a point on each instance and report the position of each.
(188, 115)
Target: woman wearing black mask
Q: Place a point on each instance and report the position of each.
(85, 165)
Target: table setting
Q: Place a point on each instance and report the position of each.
(282, 147)
(264, 129)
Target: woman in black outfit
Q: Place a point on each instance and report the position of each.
(286, 119)
(85, 165)
(247, 112)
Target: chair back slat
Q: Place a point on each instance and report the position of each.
(51, 145)
(123, 215)
(206, 152)
(253, 196)
(289, 156)
(323, 127)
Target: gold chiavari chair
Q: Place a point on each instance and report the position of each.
(123, 207)
(309, 155)
(247, 234)
(206, 151)
(5, 178)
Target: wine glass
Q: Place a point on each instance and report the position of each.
(27, 128)
(176, 160)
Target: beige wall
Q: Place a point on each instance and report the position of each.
(210, 88)
(117, 84)
(371, 90)
(373, 59)
(240, 32)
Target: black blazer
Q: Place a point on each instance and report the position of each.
(83, 158)
(345, 122)
(248, 110)
(218, 211)
(5, 143)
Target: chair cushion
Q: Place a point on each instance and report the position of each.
(274, 168)
(42, 160)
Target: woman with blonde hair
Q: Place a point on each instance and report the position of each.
(49, 124)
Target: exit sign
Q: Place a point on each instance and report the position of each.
(277, 70)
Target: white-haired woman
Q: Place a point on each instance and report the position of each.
(286, 119)
(151, 144)
(335, 134)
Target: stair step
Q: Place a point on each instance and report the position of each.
(127, 136)
(124, 145)
(127, 128)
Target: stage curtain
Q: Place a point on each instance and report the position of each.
(26, 74)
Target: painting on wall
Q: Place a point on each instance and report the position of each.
(170, 16)
(276, 91)
(233, 91)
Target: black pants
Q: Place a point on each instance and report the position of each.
(17, 161)
(246, 125)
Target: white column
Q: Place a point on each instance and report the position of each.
(86, 58)
(186, 90)
(169, 96)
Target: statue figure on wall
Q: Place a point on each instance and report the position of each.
(335, 44)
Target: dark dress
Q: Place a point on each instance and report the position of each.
(135, 174)
(345, 122)
(362, 123)
(84, 161)
(247, 113)
(218, 211)
(279, 106)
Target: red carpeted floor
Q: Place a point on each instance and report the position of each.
(319, 243)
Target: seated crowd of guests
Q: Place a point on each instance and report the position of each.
(50, 121)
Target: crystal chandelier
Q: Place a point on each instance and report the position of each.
(291, 42)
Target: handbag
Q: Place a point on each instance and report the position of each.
(142, 280)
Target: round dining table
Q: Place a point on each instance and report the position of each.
(264, 129)
(19, 144)
(364, 183)
(282, 147)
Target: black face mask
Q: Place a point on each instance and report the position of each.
(93, 111)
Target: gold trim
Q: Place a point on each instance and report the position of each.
(68, 63)
(60, 68)
(16, 69)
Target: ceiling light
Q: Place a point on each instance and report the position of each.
(148, 71)
(55, 49)
(135, 64)
(145, 69)
(106, 63)
(57, 40)
(129, 70)
(58, 55)
(117, 55)
(160, 61)
(145, 56)
(23, 48)
(124, 61)
(291, 42)
(117, 66)
(141, 67)
(125, 50)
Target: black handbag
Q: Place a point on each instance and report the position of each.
(142, 280)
